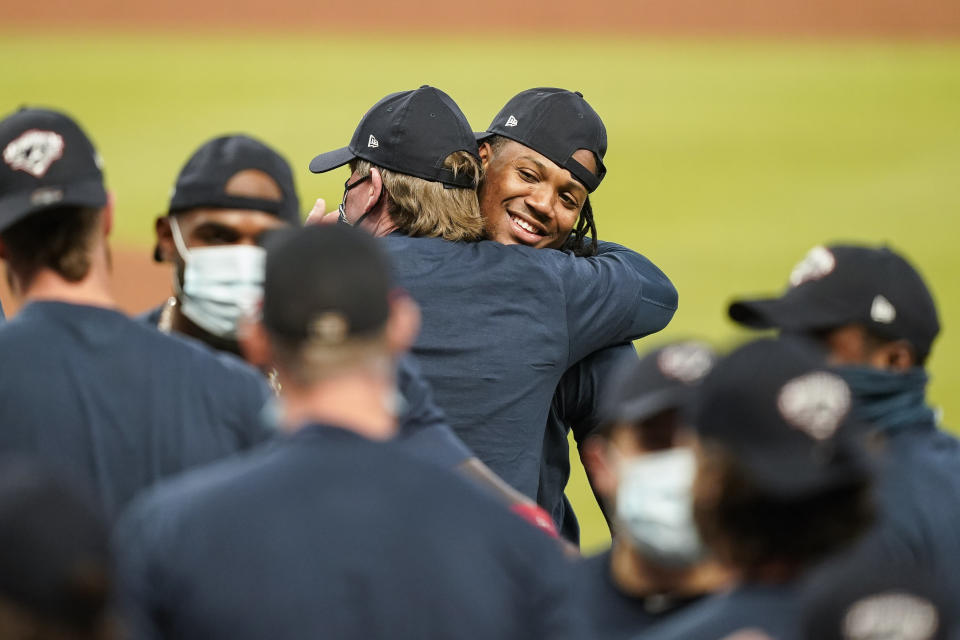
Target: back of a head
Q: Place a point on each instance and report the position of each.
(326, 299)
(54, 559)
(783, 475)
(426, 152)
(51, 194)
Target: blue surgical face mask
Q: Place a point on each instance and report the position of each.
(655, 507)
(221, 285)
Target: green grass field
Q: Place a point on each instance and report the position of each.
(727, 160)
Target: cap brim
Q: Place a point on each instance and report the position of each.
(86, 193)
(331, 160)
(766, 313)
(649, 404)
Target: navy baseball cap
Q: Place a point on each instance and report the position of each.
(661, 380)
(202, 181)
(410, 132)
(327, 283)
(837, 285)
(782, 415)
(555, 123)
(47, 161)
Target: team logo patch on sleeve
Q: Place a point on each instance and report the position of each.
(818, 262)
(34, 151)
(891, 616)
(815, 403)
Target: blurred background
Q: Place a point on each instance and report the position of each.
(741, 132)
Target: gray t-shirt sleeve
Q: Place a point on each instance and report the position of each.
(613, 297)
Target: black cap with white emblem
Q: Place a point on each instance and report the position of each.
(46, 161)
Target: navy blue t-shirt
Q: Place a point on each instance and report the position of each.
(501, 325)
(772, 610)
(324, 534)
(423, 426)
(117, 403)
(609, 612)
(574, 408)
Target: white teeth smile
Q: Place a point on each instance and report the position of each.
(526, 226)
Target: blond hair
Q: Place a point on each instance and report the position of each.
(423, 208)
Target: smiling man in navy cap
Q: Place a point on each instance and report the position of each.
(501, 323)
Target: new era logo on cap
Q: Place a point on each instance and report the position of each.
(34, 151)
(511, 122)
(372, 142)
(882, 311)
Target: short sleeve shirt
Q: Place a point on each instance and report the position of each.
(117, 403)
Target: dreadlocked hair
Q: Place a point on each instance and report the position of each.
(582, 239)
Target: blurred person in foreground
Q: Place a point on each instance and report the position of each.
(782, 482)
(83, 386)
(641, 463)
(875, 320)
(501, 323)
(333, 531)
(54, 558)
(232, 192)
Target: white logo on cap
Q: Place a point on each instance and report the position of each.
(882, 311)
(891, 616)
(373, 143)
(685, 362)
(818, 262)
(815, 403)
(34, 151)
(511, 122)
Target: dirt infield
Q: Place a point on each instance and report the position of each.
(911, 18)
(138, 282)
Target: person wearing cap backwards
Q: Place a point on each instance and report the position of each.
(873, 316)
(501, 323)
(333, 531)
(782, 482)
(83, 386)
(542, 157)
(232, 192)
(641, 463)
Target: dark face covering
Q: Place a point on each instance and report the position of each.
(889, 400)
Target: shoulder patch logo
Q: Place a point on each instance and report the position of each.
(818, 262)
(815, 403)
(372, 142)
(882, 311)
(687, 362)
(891, 615)
(34, 151)
(511, 122)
